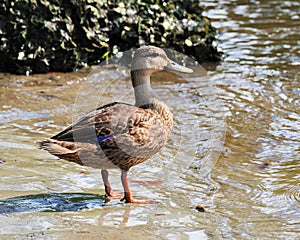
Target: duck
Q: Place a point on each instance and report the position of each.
(120, 135)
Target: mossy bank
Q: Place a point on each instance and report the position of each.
(54, 35)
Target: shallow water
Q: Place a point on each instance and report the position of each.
(234, 150)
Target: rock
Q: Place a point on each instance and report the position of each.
(200, 208)
(54, 35)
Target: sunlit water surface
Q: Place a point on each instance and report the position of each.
(229, 171)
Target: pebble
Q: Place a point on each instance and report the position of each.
(200, 208)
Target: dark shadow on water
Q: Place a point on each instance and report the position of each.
(53, 202)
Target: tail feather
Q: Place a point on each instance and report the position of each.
(87, 154)
(57, 147)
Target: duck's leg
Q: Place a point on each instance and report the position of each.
(108, 190)
(127, 193)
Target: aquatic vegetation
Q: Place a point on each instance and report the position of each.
(55, 35)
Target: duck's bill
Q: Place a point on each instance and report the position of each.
(173, 66)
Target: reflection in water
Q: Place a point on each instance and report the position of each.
(249, 187)
(55, 202)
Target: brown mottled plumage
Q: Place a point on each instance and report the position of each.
(119, 135)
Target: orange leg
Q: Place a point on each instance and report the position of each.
(108, 189)
(127, 193)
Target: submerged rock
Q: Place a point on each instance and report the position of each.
(55, 35)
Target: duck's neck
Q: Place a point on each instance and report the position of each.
(146, 98)
(144, 95)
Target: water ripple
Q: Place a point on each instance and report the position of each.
(293, 194)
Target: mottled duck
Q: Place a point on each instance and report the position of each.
(120, 135)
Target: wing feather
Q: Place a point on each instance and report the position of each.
(123, 122)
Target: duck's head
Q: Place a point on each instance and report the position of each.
(155, 59)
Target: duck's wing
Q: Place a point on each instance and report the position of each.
(97, 123)
(125, 124)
